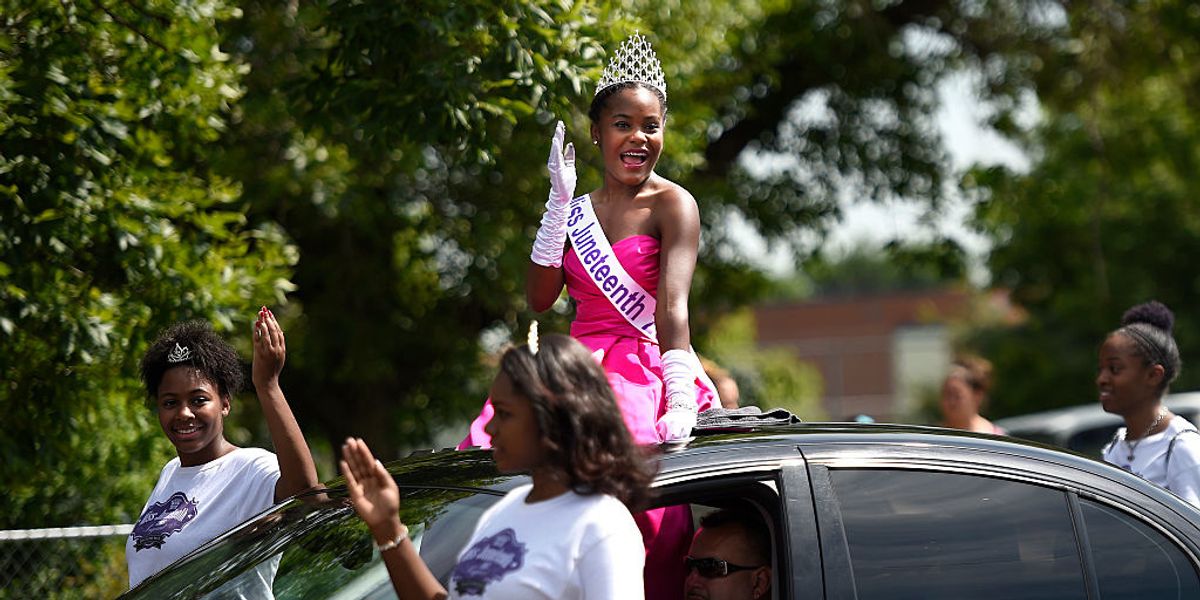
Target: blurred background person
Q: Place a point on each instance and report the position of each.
(727, 387)
(964, 394)
(1137, 364)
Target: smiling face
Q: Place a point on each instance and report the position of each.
(1125, 382)
(516, 439)
(192, 414)
(629, 129)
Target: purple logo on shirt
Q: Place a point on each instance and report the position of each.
(488, 560)
(161, 519)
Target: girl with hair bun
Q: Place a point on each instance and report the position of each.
(566, 534)
(1138, 362)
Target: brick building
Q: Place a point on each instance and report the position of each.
(877, 354)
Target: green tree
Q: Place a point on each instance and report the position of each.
(410, 174)
(112, 225)
(403, 148)
(1106, 218)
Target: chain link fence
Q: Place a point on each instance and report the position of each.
(63, 563)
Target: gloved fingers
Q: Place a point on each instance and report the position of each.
(570, 154)
(556, 146)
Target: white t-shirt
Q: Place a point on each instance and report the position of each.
(192, 505)
(1180, 475)
(569, 547)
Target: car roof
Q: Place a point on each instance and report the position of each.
(1084, 416)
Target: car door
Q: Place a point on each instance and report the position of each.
(907, 526)
(770, 478)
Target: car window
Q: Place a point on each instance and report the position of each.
(758, 494)
(1134, 560)
(319, 548)
(917, 534)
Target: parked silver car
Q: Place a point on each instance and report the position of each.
(1087, 428)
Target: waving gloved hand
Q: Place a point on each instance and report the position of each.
(552, 235)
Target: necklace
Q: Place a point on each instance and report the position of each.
(1133, 446)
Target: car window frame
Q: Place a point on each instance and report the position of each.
(793, 510)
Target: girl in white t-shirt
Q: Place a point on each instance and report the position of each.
(191, 376)
(1138, 362)
(568, 534)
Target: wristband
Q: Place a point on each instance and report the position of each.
(394, 543)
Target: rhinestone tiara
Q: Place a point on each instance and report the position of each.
(634, 61)
(179, 354)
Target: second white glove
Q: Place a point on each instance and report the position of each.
(679, 378)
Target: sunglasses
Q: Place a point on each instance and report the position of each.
(712, 568)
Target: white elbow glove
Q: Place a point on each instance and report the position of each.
(552, 235)
(680, 380)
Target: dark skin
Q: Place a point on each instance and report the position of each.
(634, 200)
(1131, 388)
(192, 412)
(376, 497)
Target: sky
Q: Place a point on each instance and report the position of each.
(960, 120)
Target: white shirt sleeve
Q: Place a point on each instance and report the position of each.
(260, 477)
(1183, 476)
(612, 567)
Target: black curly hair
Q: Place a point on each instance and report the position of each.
(601, 100)
(207, 352)
(581, 427)
(1148, 326)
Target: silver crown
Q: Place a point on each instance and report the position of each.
(179, 354)
(634, 61)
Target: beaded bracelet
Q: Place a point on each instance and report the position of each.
(396, 542)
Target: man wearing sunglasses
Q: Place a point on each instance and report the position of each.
(730, 557)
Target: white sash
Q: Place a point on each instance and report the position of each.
(626, 295)
(596, 254)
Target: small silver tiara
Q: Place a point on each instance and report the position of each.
(532, 338)
(179, 354)
(634, 61)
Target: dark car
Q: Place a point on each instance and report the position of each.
(1087, 428)
(855, 511)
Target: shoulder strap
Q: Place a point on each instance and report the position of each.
(1113, 442)
(589, 243)
(1171, 448)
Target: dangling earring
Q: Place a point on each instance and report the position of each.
(595, 142)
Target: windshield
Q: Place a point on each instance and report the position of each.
(317, 547)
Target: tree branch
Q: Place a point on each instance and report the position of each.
(797, 78)
(164, 21)
(130, 26)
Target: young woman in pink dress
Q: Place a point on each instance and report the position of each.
(636, 325)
